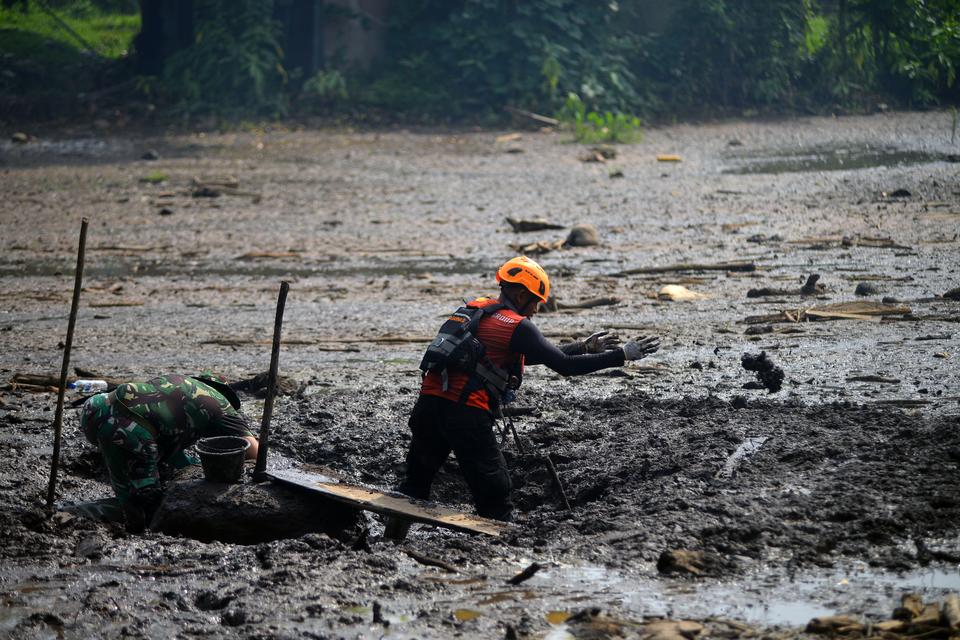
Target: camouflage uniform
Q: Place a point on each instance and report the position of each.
(142, 428)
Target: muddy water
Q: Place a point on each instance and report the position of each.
(832, 495)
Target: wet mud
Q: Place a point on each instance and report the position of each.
(836, 494)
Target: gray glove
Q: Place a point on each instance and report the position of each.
(636, 349)
(601, 341)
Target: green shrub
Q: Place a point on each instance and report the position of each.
(234, 65)
(591, 127)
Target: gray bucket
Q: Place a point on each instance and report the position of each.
(222, 457)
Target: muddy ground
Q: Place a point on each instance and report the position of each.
(838, 493)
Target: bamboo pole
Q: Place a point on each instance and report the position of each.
(58, 417)
(260, 470)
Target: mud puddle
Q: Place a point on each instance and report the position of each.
(833, 159)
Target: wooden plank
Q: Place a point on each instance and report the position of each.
(739, 265)
(391, 504)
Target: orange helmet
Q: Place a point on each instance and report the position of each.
(524, 271)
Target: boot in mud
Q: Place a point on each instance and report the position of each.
(396, 529)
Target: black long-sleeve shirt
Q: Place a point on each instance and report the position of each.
(567, 360)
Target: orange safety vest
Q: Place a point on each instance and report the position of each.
(494, 331)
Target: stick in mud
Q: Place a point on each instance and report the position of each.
(431, 562)
(526, 574)
(58, 417)
(260, 470)
(552, 470)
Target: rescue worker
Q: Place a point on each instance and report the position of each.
(142, 429)
(455, 410)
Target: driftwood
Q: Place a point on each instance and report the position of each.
(811, 287)
(860, 310)
(600, 153)
(46, 381)
(539, 224)
(848, 241)
(431, 562)
(116, 303)
(873, 378)
(537, 248)
(741, 266)
(258, 255)
(553, 304)
(526, 574)
(553, 122)
(912, 619)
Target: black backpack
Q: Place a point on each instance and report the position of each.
(457, 346)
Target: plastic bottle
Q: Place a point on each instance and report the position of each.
(88, 386)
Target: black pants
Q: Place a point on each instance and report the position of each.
(440, 426)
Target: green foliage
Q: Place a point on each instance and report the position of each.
(156, 177)
(591, 127)
(325, 88)
(43, 67)
(903, 48)
(728, 53)
(234, 65)
(110, 34)
(489, 53)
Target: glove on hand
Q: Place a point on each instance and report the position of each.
(601, 341)
(636, 349)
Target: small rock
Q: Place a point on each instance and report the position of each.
(20, 138)
(899, 193)
(582, 235)
(514, 150)
(866, 289)
(205, 191)
(150, 154)
(166, 211)
(890, 300)
(615, 173)
(234, 617)
(734, 143)
(696, 365)
(211, 601)
(761, 238)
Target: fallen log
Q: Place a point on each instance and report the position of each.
(811, 287)
(258, 255)
(605, 301)
(520, 226)
(741, 266)
(858, 310)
